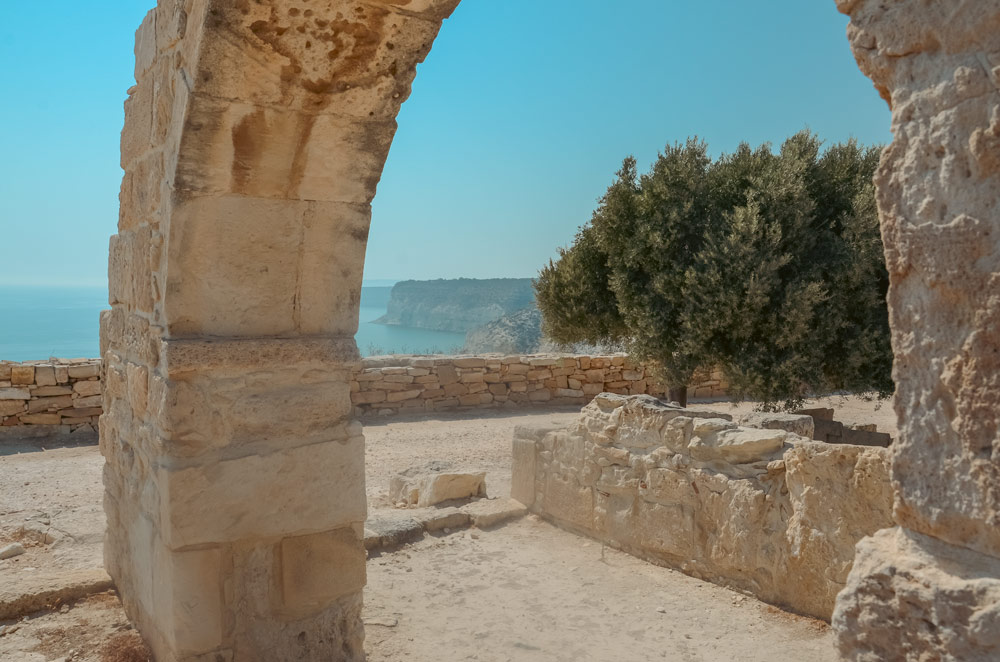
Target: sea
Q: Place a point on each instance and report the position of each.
(41, 322)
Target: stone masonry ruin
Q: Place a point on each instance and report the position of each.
(253, 143)
(764, 510)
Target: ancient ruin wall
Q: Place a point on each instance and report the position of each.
(762, 510)
(234, 478)
(45, 395)
(411, 384)
(930, 588)
(59, 392)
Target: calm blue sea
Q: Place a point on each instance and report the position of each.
(39, 322)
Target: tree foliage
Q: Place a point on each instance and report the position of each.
(767, 265)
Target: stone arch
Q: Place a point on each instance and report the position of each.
(253, 142)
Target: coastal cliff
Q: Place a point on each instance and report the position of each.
(458, 305)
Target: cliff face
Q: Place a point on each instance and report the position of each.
(455, 305)
(517, 333)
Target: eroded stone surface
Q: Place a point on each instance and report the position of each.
(938, 186)
(434, 482)
(253, 143)
(762, 510)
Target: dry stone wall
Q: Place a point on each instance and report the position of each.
(761, 510)
(59, 392)
(402, 384)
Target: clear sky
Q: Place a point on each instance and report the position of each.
(518, 120)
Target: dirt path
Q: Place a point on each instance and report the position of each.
(480, 442)
(531, 592)
(527, 591)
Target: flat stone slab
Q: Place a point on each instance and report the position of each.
(486, 513)
(391, 530)
(26, 592)
(434, 483)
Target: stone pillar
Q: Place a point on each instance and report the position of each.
(234, 475)
(929, 589)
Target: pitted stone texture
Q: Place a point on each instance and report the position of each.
(938, 187)
(912, 597)
(938, 184)
(765, 511)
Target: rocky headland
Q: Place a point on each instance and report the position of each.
(458, 305)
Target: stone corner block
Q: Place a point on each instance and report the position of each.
(319, 568)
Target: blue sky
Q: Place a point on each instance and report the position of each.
(518, 120)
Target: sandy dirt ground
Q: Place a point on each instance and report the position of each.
(470, 443)
(527, 591)
(531, 592)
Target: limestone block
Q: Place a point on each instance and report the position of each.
(89, 401)
(799, 424)
(447, 375)
(260, 627)
(567, 500)
(399, 396)
(85, 388)
(315, 487)
(187, 598)
(22, 374)
(522, 482)
(367, 79)
(392, 530)
(838, 495)
(319, 568)
(735, 445)
(10, 407)
(433, 483)
(665, 530)
(368, 397)
(84, 371)
(911, 597)
(469, 362)
(436, 519)
(50, 404)
(45, 375)
(486, 513)
(39, 419)
(275, 152)
(48, 391)
(310, 284)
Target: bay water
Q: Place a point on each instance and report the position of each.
(40, 322)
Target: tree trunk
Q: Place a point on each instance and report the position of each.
(678, 394)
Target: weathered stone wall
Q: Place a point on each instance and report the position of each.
(58, 392)
(930, 589)
(762, 510)
(402, 384)
(380, 386)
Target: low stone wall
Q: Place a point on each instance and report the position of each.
(59, 392)
(62, 394)
(399, 384)
(761, 510)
